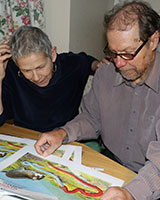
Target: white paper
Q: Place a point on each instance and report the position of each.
(66, 150)
(51, 177)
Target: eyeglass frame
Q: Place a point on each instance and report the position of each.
(106, 49)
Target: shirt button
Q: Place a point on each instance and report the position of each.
(131, 130)
(127, 148)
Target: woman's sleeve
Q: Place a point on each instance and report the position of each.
(6, 101)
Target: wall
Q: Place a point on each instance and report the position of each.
(57, 14)
(155, 4)
(77, 25)
(86, 26)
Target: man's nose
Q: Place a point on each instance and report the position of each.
(120, 62)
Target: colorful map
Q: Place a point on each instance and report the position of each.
(53, 179)
(8, 148)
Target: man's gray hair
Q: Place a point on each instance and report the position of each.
(123, 16)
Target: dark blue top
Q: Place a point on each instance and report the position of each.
(46, 108)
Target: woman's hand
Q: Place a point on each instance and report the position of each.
(97, 64)
(5, 55)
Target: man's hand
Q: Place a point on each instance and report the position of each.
(116, 193)
(49, 142)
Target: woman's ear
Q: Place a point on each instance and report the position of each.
(155, 40)
(54, 53)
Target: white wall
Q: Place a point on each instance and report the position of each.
(155, 4)
(57, 14)
(77, 25)
(87, 32)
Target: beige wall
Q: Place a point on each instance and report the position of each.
(57, 14)
(77, 25)
(155, 4)
(87, 32)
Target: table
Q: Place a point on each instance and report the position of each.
(90, 157)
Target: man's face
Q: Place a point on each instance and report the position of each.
(128, 41)
(36, 67)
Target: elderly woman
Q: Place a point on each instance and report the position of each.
(40, 89)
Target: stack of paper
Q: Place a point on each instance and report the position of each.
(61, 176)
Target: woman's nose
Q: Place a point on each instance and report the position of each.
(35, 76)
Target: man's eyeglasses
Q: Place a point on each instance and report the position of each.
(126, 56)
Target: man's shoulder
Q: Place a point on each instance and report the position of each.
(106, 75)
(107, 70)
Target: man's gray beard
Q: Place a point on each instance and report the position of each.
(130, 78)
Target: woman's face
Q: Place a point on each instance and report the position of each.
(36, 67)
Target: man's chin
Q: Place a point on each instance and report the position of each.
(129, 77)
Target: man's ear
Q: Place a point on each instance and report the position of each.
(155, 40)
(54, 53)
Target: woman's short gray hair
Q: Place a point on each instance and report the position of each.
(29, 39)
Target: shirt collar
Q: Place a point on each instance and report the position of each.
(152, 80)
(119, 79)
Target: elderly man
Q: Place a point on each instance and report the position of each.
(124, 102)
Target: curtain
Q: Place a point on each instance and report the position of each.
(15, 13)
